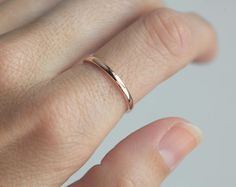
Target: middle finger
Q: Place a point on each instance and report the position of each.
(74, 28)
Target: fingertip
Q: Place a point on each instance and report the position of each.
(178, 142)
(171, 139)
(152, 151)
(209, 55)
(195, 131)
(209, 40)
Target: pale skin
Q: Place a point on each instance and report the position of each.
(55, 110)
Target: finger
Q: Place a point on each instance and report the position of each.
(212, 50)
(146, 157)
(74, 28)
(77, 109)
(144, 55)
(16, 13)
(156, 47)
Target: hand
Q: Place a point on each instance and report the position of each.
(56, 110)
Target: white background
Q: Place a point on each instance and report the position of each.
(205, 95)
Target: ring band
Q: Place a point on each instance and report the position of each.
(115, 78)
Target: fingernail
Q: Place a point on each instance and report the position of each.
(178, 142)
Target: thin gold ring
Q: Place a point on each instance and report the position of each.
(115, 78)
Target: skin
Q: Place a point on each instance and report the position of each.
(55, 110)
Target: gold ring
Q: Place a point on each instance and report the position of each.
(115, 78)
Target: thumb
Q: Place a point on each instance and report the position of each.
(146, 157)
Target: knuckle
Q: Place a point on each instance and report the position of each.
(52, 121)
(12, 64)
(61, 120)
(168, 32)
